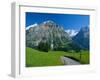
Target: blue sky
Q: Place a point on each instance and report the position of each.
(68, 21)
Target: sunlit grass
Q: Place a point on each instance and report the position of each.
(36, 58)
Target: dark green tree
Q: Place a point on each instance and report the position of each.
(44, 46)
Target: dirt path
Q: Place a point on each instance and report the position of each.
(69, 61)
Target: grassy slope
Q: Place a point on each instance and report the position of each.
(51, 58)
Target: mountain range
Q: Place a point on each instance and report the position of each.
(56, 36)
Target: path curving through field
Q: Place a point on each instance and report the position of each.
(69, 61)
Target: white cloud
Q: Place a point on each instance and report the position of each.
(33, 25)
(71, 32)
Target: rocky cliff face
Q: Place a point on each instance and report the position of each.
(47, 31)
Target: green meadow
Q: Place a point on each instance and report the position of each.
(36, 58)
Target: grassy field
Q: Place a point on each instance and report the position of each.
(36, 58)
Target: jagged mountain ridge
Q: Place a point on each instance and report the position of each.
(48, 30)
(56, 36)
(82, 38)
(71, 32)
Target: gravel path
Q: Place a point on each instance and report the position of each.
(69, 61)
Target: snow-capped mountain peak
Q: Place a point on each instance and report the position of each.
(71, 32)
(30, 26)
(48, 21)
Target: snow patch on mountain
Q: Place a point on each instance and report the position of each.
(71, 32)
(30, 26)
